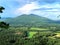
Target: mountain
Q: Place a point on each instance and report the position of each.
(28, 20)
(4, 18)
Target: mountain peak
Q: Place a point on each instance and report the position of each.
(25, 19)
(29, 14)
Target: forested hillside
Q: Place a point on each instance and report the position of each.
(30, 19)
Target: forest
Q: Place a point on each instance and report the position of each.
(27, 33)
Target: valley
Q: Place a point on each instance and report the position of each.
(30, 30)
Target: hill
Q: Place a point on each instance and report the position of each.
(4, 18)
(29, 20)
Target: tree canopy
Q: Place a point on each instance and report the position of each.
(1, 9)
(3, 24)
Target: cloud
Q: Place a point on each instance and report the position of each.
(48, 1)
(46, 8)
(26, 9)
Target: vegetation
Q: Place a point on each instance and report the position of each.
(34, 31)
(1, 9)
(30, 20)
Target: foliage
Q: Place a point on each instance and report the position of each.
(29, 20)
(3, 24)
(1, 9)
(10, 36)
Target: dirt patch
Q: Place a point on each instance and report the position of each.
(18, 33)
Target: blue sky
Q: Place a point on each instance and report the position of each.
(45, 8)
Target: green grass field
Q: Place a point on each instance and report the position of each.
(32, 33)
(38, 29)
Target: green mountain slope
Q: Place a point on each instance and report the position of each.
(29, 20)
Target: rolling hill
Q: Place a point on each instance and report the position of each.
(29, 20)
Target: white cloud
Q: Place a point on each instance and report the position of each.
(51, 10)
(26, 9)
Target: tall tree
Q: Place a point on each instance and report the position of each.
(3, 24)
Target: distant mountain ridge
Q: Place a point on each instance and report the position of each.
(4, 18)
(30, 19)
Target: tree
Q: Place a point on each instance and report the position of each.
(1, 9)
(3, 24)
(26, 33)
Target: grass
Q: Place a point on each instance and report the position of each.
(31, 34)
(33, 28)
(58, 34)
(38, 29)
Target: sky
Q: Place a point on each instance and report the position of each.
(44, 8)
